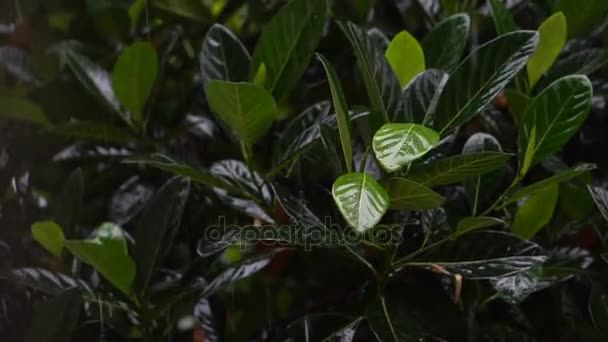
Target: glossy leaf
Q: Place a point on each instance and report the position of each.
(503, 19)
(469, 224)
(444, 45)
(600, 197)
(481, 76)
(552, 38)
(128, 200)
(484, 255)
(536, 212)
(157, 227)
(406, 194)
(457, 168)
(133, 77)
(223, 56)
(57, 319)
(341, 109)
(49, 235)
(246, 108)
(361, 200)
(420, 97)
(106, 250)
(287, 44)
(406, 57)
(205, 317)
(584, 62)
(481, 188)
(396, 145)
(556, 114)
(582, 16)
(514, 289)
(383, 89)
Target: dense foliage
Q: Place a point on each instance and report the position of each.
(405, 170)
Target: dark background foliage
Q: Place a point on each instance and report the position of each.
(67, 155)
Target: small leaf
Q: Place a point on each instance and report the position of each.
(552, 38)
(405, 194)
(287, 44)
(600, 197)
(246, 108)
(50, 236)
(503, 19)
(469, 224)
(361, 200)
(223, 56)
(341, 109)
(397, 144)
(457, 168)
(556, 113)
(582, 16)
(444, 45)
(481, 76)
(406, 57)
(420, 97)
(22, 109)
(57, 319)
(106, 251)
(536, 212)
(133, 77)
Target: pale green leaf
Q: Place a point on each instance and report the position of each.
(536, 212)
(50, 236)
(552, 37)
(406, 57)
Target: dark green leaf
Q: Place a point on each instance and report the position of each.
(598, 307)
(481, 76)
(600, 197)
(481, 188)
(67, 205)
(536, 212)
(444, 44)
(518, 103)
(22, 109)
(406, 57)
(421, 96)
(50, 236)
(192, 9)
(552, 37)
(457, 168)
(287, 44)
(345, 333)
(157, 227)
(91, 130)
(398, 144)
(405, 194)
(56, 320)
(223, 56)
(361, 200)
(47, 282)
(503, 20)
(582, 16)
(469, 224)
(584, 62)
(514, 289)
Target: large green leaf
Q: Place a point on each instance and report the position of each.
(536, 212)
(553, 180)
(22, 109)
(106, 250)
(398, 144)
(246, 108)
(341, 109)
(49, 235)
(444, 44)
(600, 197)
(503, 19)
(133, 77)
(287, 44)
(157, 227)
(420, 97)
(457, 168)
(552, 37)
(556, 114)
(381, 83)
(582, 16)
(406, 194)
(406, 57)
(223, 56)
(481, 76)
(360, 199)
(483, 255)
(56, 320)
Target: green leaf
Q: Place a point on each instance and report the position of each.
(457, 168)
(246, 108)
(481, 76)
(469, 224)
(536, 212)
(503, 20)
(67, 204)
(157, 227)
(92, 130)
(552, 38)
(518, 103)
(444, 45)
(106, 251)
(223, 56)
(584, 62)
(22, 109)
(553, 180)
(582, 16)
(361, 200)
(381, 83)
(421, 96)
(406, 57)
(57, 319)
(600, 197)
(50, 236)
(47, 282)
(598, 307)
(514, 289)
(133, 77)
(556, 113)
(287, 44)
(389, 324)
(398, 144)
(341, 109)
(192, 9)
(405, 194)
(483, 255)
